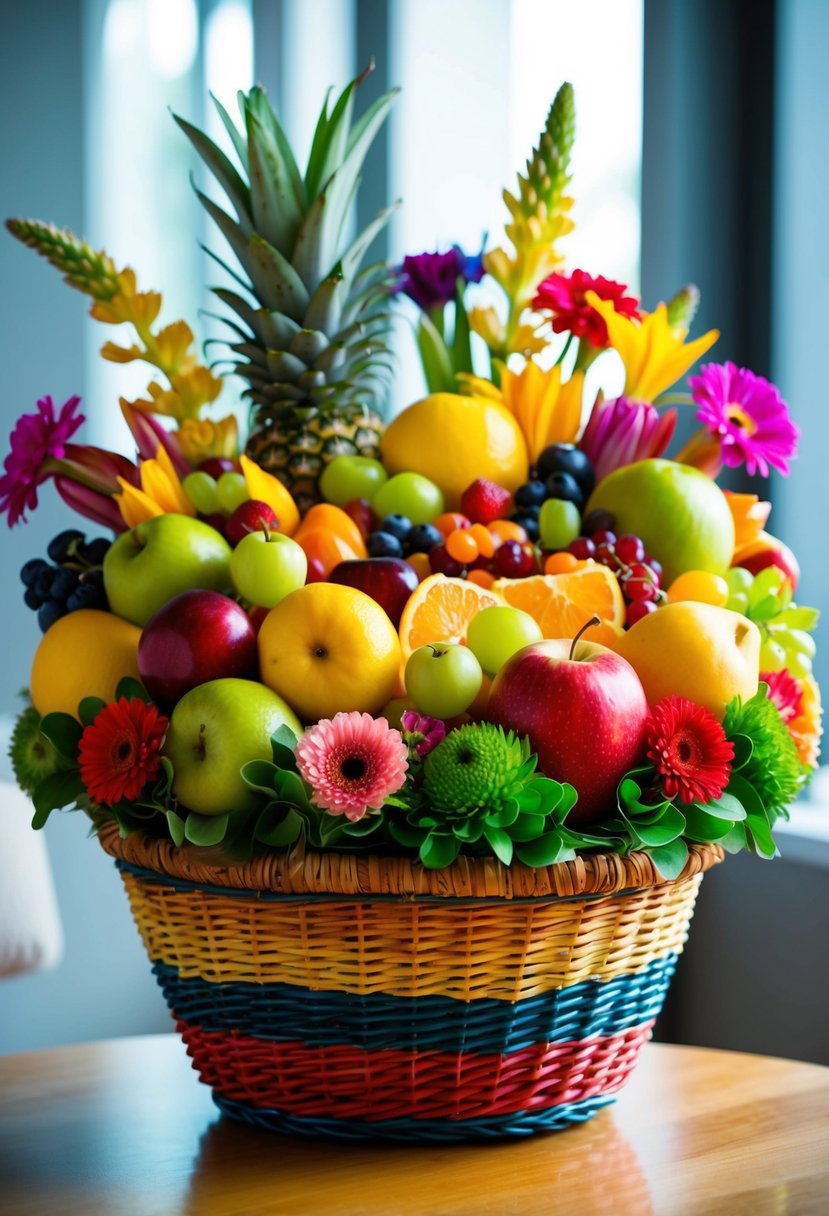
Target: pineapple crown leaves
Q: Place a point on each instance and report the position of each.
(94, 274)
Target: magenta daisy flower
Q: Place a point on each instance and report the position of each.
(747, 415)
(352, 763)
(35, 440)
(622, 431)
(422, 733)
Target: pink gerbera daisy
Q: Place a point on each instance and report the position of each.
(688, 746)
(747, 415)
(352, 763)
(784, 692)
(563, 296)
(35, 439)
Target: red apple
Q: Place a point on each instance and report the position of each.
(769, 551)
(196, 637)
(249, 517)
(583, 709)
(388, 580)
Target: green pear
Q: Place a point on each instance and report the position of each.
(681, 515)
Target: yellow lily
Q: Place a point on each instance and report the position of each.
(161, 492)
(547, 410)
(655, 354)
(750, 515)
(202, 438)
(264, 487)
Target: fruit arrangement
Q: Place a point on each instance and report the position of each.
(506, 624)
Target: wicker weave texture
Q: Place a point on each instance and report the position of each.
(508, 951)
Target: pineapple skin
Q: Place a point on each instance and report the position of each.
(297, 448)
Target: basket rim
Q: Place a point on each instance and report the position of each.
(300, 871)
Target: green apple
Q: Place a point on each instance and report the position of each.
(495, 634)
(681, 515)
(266, 566)
(443, 679)
(346, 477)
(159, 559)
(215, 729)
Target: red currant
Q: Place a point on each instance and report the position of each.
(582, 548)
(655, 566)
(606, 554)
(637, 610)
(630, 548)
(511, 560)
(640, 589)
(442, 563)
(642, 570)
(603, 536)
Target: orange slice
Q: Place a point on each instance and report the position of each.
(440, 611)
(561, 603)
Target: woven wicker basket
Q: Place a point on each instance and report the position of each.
(349, 996)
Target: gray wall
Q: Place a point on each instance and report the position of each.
(103, 987)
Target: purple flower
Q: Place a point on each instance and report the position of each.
(747, 415)
(430, 279)
(622, 431)
(421, 733)
(35, 440)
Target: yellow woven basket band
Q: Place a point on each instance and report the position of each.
(507, 951)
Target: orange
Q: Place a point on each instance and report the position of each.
(326, 648)
(561, 603)
(324, 516)
(452, 440)
(440, 611)
(84, 654)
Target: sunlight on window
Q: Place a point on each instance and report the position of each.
(228, 61)
(172, 36)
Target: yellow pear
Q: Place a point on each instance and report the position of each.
(698, 651)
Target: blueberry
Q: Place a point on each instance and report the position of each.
(30, 571)
(383, 544)
(63, 584)
(567, 458)
(395, 525)
(529, 523)
(87, 595)
(60, 545)
(563, 485)
(95, 551)
(50, 612)
(422, 538)
(31, 598)
(531, 494)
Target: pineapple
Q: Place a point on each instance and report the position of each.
(310, 330)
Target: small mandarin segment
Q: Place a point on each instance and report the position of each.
(440, 611)
(561, 603)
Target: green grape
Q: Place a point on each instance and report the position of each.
(348, 477)
(772, 655)
(231, 492)
(409, 494)
(559, 523)
(738, 579)
(738, 602)
(200, 488)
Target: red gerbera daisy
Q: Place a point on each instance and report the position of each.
(563, 296)
(689, 748)
(119, 751)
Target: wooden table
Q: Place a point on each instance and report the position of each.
(124, 1127)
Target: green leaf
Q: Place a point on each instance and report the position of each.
(670, 859)
(544, 851)
(468, 830)
(505, 815)
(705, 828)
(175, 823)
(205, 829)
(743, 748)
(260, 775)
(283, 745)
(661, 829)
(133, 690)
(569, 798)
(64, 733)
(274, 205)
(759, 834)
(735, 841)
(461, 345)
(745, 795)
(367, 826)
(729, 805)
(500, 844)
(291, 788)
(409, 836)
(89, 709)
(54, 793)
(278, 826)
(527, 827)
(438, 851)
(434, 355)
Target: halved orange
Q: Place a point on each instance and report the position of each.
(440, 611)
(561, 603)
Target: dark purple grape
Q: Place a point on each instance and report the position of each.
(564, 485)
(43, 583)
(383, 544)
(50, 612)
(87, 595)
(529, 523)
(597, 521)
(31, 598)
(63, 584)
(31, 569)
(61, 545)
(94, 551)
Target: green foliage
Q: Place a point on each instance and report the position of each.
(33, 756)
(772, 768)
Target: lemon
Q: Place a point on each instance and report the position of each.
(452, 440)
(84, 654)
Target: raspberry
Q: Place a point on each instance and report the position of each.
(485, 500)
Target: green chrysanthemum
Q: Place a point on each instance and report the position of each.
(773, 767)
(32, 755)
(476, 768)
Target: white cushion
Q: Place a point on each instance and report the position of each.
(31, 938)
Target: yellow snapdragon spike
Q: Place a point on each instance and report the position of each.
(161, 492)
(750, 515)
(654, 354)
(266, 488)
(199, 439)
(488, 325)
